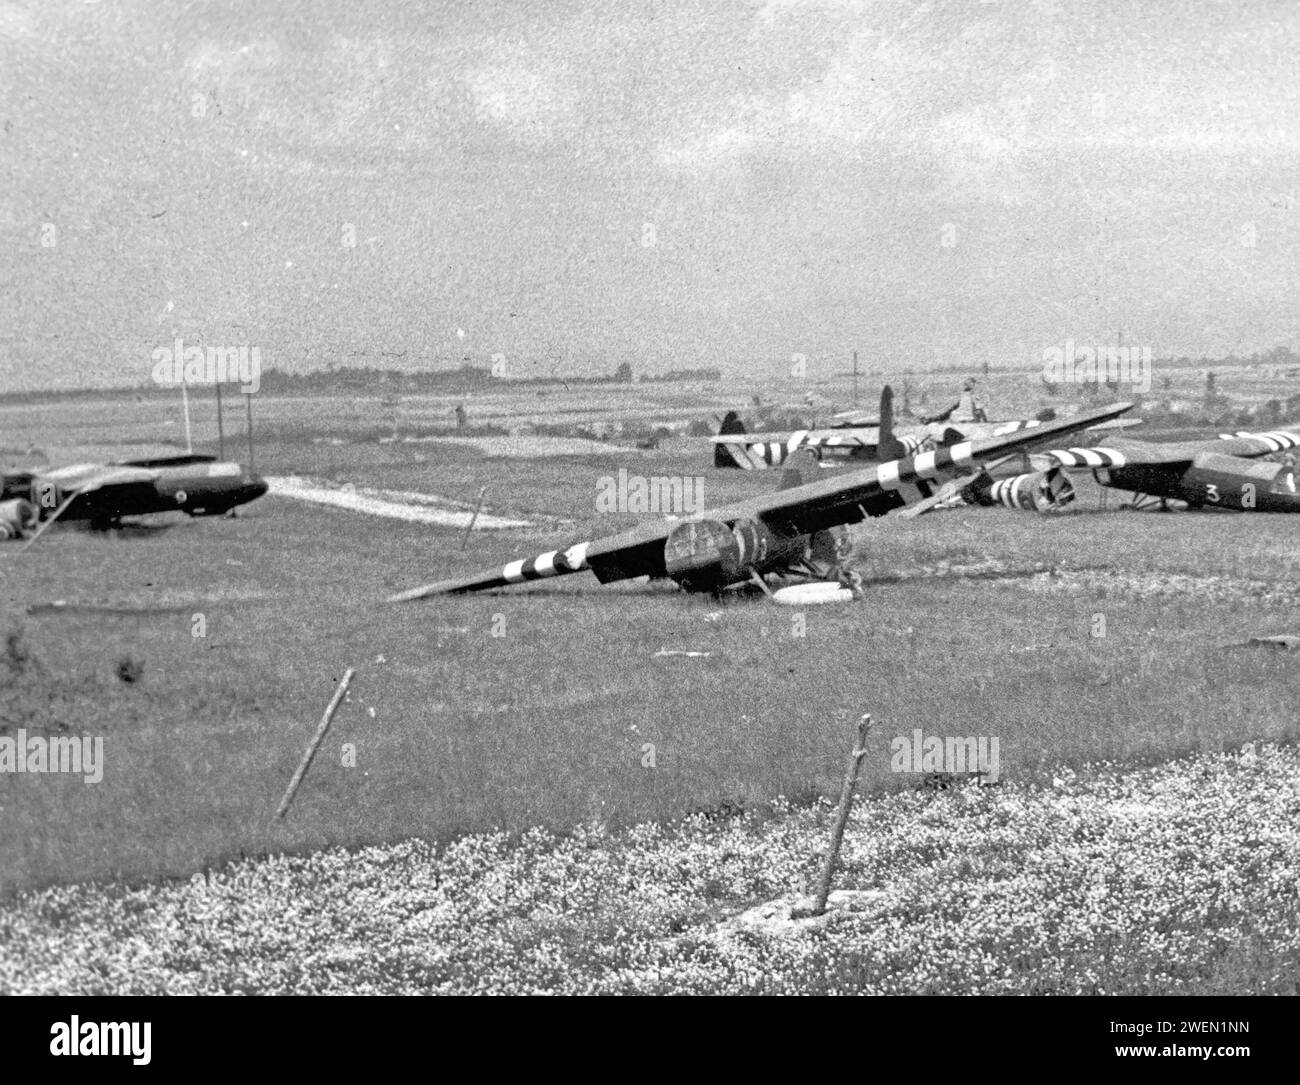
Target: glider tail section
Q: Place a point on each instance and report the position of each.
(1035, 491)
(888, 447)
(723, 455)
(800, 467)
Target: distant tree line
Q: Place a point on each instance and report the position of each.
(372, 380)
(460, 381)
(682, 375)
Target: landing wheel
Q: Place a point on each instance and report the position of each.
(851, 579)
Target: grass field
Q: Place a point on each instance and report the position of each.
(546, 722)
(551, 706)
(1175, 879)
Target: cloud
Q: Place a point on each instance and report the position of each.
(988, 107)
(869, 88)
(213, 61)
(15, 22)
(978, 153)
(522, 94)
(772, 10)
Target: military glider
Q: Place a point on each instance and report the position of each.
(859, 440)
(1216, 474)
(796, 530)
(1221, 475)
(102, 494)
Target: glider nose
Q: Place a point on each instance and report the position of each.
(1283, 494)
(255, 487)
(1291, 502)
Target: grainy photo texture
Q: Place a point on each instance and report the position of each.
(678, 497)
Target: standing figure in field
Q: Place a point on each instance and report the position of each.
(966, 409)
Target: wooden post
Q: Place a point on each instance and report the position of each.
(473, 519)
(221, 431)
(185, 403)
(321, 728)
(841, 817)
(248, 405)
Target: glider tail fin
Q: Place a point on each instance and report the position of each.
(722, 454)
(800, 467)
(888, 447)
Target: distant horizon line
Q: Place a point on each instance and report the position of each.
(681, 373)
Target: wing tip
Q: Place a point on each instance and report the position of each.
(422, 592)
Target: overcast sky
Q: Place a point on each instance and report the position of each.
(573, 185)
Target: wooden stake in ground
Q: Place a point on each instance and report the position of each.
(473, 519)
(841, 817)
(321, 728)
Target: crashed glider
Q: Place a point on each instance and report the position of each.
(790, 531)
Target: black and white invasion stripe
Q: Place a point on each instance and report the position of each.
(1276, 440)
(1006, 492)
(552, 563)
(1032, 492)
(759, 454)
(1088, 457)
(910, 476)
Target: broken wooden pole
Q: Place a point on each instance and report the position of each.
(321, 728)
(473, 519)
(842, 816)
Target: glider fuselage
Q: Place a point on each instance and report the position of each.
(197, 485)
(1211, 480)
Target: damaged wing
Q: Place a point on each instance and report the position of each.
(756, 535)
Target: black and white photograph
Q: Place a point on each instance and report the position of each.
(675, 497)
